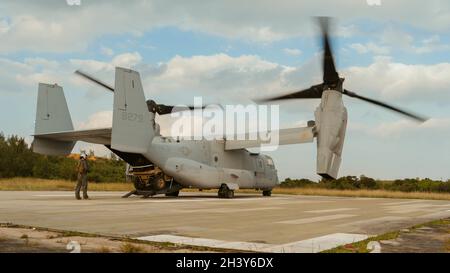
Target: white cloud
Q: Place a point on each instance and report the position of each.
(42, 63)
(27, 32)
(18, 76)
(370, 48)
(398, 38)
(56, 27)
(107, 51)
(292, 51)
(102, 119)
(394, 80)
(24, 76)
(128, 60)
(239, 78)
(431, 44)
(244, 76)
(4, 26)
(407, 127)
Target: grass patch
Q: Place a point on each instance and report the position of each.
(36, 184)
(348, 193)
(441, 222)
(361, 247)
(70, 233)
(104, 249)
(364, 193)
(131, 248)
(165, 246)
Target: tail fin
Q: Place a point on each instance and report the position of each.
(52, 115)
(133, 125)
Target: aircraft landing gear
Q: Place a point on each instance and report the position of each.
(267, 193)
(173, 194)
(225, 192)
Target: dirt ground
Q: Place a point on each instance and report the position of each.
(14, 239)
(429, 238)
(432, 237)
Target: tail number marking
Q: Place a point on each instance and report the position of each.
(133, 117)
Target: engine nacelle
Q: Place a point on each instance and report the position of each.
(331, 124)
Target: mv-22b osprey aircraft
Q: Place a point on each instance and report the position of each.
(171, 164)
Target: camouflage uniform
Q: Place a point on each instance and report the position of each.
(82, 170)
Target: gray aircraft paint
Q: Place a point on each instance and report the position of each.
(331, 123)
(52, 115)
(192, 163)
(199, 164)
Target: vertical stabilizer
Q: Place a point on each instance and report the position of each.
(133, 124)
(52, 115)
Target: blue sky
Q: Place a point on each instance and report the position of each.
(233, 51)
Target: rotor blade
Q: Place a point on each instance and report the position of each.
(163, 109)
(94, 80)
(330, 76)
(382, 104)
(314, 92)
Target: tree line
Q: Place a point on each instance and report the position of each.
(18, 160)
(364, 182)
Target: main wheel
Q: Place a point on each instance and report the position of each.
(158, 182)
(267, 193)
(221, 194)
(225, 192)
(173, 194)
(230, 194)
(141, 185)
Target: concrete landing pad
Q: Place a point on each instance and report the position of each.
(281, 223)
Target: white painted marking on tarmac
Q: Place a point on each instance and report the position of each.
(72, 195)
(227, 210)
(182, 200)
(312, 245)
(403, 202)
(204, 242)
(317, 244)
(330, 210)
(373, 221)
(316, 219)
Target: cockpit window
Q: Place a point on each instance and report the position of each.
(269, 162)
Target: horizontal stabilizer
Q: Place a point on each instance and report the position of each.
(97, 136)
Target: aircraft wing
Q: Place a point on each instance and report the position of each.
(98, 136)
(286, 137)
